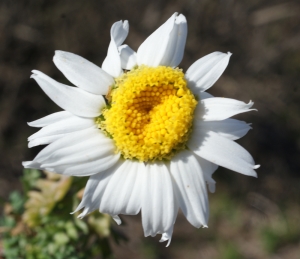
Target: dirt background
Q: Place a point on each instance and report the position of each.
(264, 37)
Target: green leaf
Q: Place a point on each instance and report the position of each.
(30, 176)
(17, 202)
(61, 238)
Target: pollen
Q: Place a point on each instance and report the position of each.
(150, 113)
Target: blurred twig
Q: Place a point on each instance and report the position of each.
(274, 13)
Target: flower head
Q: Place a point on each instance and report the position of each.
(146, 133)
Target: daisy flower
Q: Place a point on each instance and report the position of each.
(146, 133)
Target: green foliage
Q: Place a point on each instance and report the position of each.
(271, 239)
(30, 176)
(17, 202)
(279, 234)
(230, 251)
(38, 224)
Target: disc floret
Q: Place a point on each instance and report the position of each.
(150, 114)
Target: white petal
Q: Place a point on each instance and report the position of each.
(85, 151)
(117, 219)
(221, 151)
(205, 95)
(175, 49)
(190, 188)
(82, 159)
(229, 128)
(167, 236)
(67, 141)
(69, 98)
(215, 109)
(83, 73)
(31, 164)
(80, 153)
(165, 46)
(88, 168)
(94, 190)
(128, 57)
(112, 62)
(123, 193)
(208, 169)
(70, 124)
(159, 209)
(44, 140)
(206, 71)
(52, 118)
(119, 32)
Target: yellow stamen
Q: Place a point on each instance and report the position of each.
(151, 113)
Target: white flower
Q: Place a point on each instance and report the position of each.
(154, 141)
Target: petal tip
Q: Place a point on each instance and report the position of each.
(117, 219)
(166, 237)
(58, 52)
(125, 23)
(30, 144)
(34, 73)
(250, 104)
(180, 19)
(26, 163)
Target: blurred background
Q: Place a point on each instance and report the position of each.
(250, 218)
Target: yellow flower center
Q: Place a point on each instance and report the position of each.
(150, 113)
